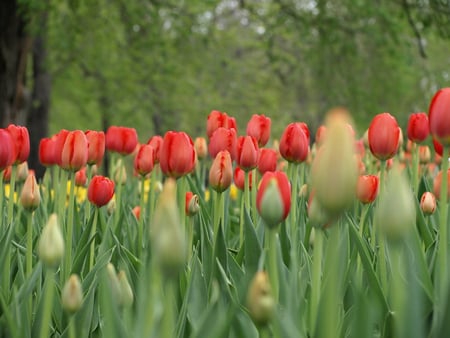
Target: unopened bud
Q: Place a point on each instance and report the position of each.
(30, 197)
(51, 243)
(72, 295)
(168, 240)
(395, 213)
(192, 204)
(428, 203)
(114, 283)
(260, 301)
(126, 291)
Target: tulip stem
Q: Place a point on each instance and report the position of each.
(72, 328)
(141, 219)
(415, 168)
(87, 210)
(69, 234)
(316, 279)
(271, 246)
(181, 190)
(29, 251)
(443, 231)
(48, 303)
(293, 171)
(118, 195)
(93, 234)
(12, 188)
(253, 195)
(362, 221)
(169, 322)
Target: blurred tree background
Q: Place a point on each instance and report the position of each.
(165, 64)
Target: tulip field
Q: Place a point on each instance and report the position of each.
(234, 233)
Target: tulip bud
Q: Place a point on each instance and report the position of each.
(221, 172)
(100, 190)
(156, 142)
(395, 212)
(418, 127)
(125, 288)
(6, 150)
(247, 152)
(239, 179)
(137, 212)
(72, 295)
(424, 154)
(168, 239)
(74, 154)
(177, 157)
(273, 198)
(223, 139)
(384, 136)
(121, 140)
(217, 119)
(367, 188)
(51, 243)
(294, 143)
(30, 197)
(259, 128)
(428, 203)
(192, 205)
(120, 173)
(80, 177)
(96, 146)
(201, 148)
(22, 171)
(144, 160)
(334, 171)
(20, 142)
(114, 283)
(260, 302)
(267, 160)
(111, 206)
(439, 116)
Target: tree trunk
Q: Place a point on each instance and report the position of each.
(12, 60)
(37, 119)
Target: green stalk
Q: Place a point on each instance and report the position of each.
(253, 194)
(2, 193)
(93, 232)
(190, 235)
(181, 191)
(12, 188)
(169, 320)
(72, 327)
(118, 198)
(246, 206)
(218, 212)
(442, 258)
(241, 223)
(141, 219)
(271, 246)
(48, 303)
(69, 229)
(316, 279)
(29, 251)
(87, 206)
(151, 196)
(362, 220)
(7, 262)
(415, 168)
(61, 199)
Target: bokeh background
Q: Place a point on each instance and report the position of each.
(158, 65)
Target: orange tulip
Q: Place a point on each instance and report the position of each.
(30, 197)
(221, 172)
(367, 188)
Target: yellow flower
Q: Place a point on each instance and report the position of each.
(7, 191)
(80, 194)
(207, 195)
(233, 192)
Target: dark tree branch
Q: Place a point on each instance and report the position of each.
(413, 26)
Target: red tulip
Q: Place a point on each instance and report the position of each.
(100, 190)
(320, 134)
(247, 152)
(80, 177)
(239, 178)
(437, 184)
(259, 128)
(294, 143)
(60, 139)
(273, 199)
(418, 127)
(156, 142)
(438, 148)
(439, 116)
(6, 150)
(75, 151)
(428, 203)
(47, 152)
(367, 188)
(137, 212)
(217, 119)
(21, 142)
(96, 146)
(267, 160)
(121, 140)
(221, 172)
(177, 157)
(384, 136)
(223, 139)
(192, 206)
(144, 160)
